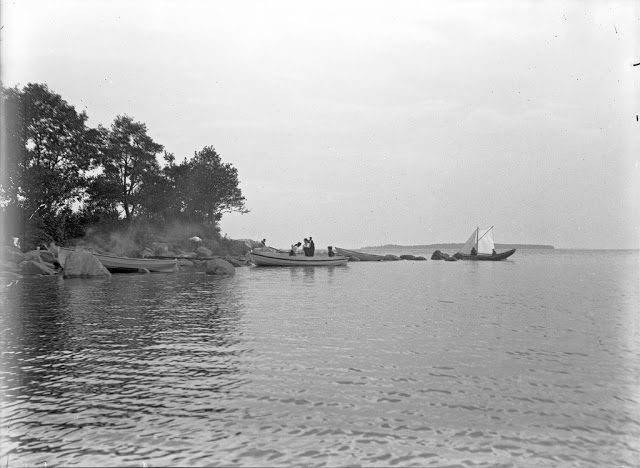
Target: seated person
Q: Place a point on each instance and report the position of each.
(330, 252)
(294, 248)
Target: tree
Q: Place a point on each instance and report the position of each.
(49, 148)
(129, 159)
(208, 187)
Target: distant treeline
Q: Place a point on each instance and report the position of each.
(58, 176)
(457, 246)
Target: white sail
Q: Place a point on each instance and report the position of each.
(485, 241)
(471, 243)
(481, 239)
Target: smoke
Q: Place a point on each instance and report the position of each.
(140, 238)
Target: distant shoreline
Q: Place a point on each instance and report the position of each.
(457, 246)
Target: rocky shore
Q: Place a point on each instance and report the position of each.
(81, 261)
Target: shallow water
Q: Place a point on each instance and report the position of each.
(533, 361)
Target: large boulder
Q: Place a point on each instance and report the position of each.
(202, 251)
(408, 257)
(8, 266)
(42, 256)
(82, 264)
(218, 266)
(33, 267)
(390, 258)
(12, 254)
(437, 255)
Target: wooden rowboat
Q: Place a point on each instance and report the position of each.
(116, 264)
(480, 246)
(267, 258)
(360, 256)
(490, 257)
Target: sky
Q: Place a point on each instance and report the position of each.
(365, 123)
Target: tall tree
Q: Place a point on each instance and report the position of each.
(209, 187)
(49, 148)
(129, 159)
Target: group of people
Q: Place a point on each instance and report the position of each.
(309, 247)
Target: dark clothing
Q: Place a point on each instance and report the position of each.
(312, 248)
(331, 253)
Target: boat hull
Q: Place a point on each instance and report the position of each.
(363, 257)
(116, 264)
(486, 257)
(263, 258)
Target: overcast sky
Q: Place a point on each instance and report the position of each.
(364, 123)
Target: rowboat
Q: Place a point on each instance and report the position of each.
(360, 256)
(269, 258)
(480, 247)
(116, 264)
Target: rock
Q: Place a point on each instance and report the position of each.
(160, 248)
(82, 264)
(33, 267)
(11, 254)
(451, 259)
(407, 257)
(390, 258)
(184, 263)
(189, 255)
(437, 255)
(8, 266)
(203, 252)
(420, 258)
(218, 266)
(147, 252)
(234, 261)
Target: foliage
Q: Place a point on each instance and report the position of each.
(207, 187)
(129, 158)
(59, 177)
(49, 148)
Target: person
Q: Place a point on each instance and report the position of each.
(294, 248)
(331, 253)
(312, 247)
(474, 252)
(493, 251)
(305, 247)
(264, 242)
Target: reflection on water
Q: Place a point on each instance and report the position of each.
(533, 362)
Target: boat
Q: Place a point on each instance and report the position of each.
(116, 264)
(264, 257)
(359, 256)
(480, 247)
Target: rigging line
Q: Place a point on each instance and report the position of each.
(487, 232)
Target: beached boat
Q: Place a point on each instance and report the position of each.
(360, 256)
(480, 247)
(269, 258)
(116, 264)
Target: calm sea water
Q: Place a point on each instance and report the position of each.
(530, 362)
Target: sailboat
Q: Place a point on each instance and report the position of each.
(480, 246)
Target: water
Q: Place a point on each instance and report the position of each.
(529, 362)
